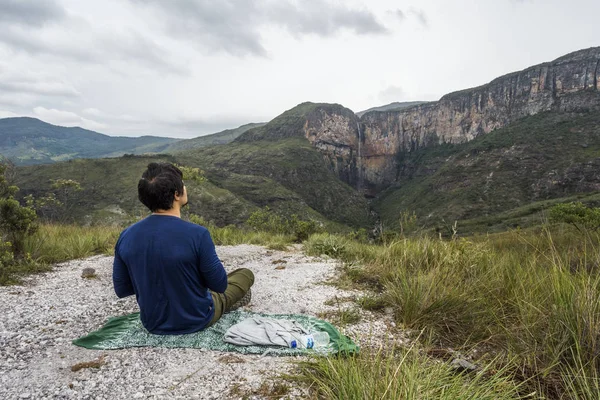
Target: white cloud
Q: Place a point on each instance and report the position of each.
(66, 118)
(173, 68)
(391, 93)
(236, 27)
(36, 82)
(94, 112)
(8, 114)
(38, 87)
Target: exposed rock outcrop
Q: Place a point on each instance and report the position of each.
(366, 152)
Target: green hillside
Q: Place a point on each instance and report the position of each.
(267, 172)
(501, 179)
(269, 165)
(27, 141)
(110, 190)
(291, 123)
(223, 137)
(228, 196)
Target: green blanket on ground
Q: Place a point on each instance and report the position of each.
(128, 331)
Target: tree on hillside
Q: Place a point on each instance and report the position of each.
(57, 204)
(16, 223)
(577, 214)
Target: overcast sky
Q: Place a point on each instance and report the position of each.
(184, 68)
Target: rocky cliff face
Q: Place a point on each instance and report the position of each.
(334, 131)
(366, 152)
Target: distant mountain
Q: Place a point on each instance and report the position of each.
(392, 107)
(223, 137)
(270, 165)
(27, 141)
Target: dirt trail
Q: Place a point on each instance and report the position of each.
(40, 318)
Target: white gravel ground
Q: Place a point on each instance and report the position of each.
(42, 317)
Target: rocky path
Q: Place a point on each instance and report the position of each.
(42, 317)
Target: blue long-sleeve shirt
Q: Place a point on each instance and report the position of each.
(169, 264)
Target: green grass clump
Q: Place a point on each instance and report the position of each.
(403, 374)
(231, 235)
(529, 296)
(326, 244)
(58, 243)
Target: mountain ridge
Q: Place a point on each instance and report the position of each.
(27, 141)
(366, 151)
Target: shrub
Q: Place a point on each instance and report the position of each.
(576, 214)
(16, 221)
(268, 221)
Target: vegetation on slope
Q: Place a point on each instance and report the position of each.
(524, 305)
(109, 191)
(286, 174)
(223, 137)
(291, 123)
(288, 177)
(522, 168)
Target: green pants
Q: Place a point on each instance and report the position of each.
(238, 284)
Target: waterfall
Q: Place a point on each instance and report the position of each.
(359, 183)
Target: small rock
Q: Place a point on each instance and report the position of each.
(462, 365)
(25, 395)
(138, 395)
(88, 273)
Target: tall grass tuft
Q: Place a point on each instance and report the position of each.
(57, 243)
(398, 374)
(532, 297)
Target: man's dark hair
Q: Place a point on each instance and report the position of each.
(159, 183)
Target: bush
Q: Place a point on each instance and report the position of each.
(267, 221)
(576, 214)
(232, 235)
(16, 221)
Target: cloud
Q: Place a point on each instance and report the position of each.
(30, 12)
(37, 84)
(391, 93)
(398, 13)
(94, 112)
(8, 114)
(94, 44)
(22, 88)
(66, 118)
(420, 15)
(235, 26)
(412, 12)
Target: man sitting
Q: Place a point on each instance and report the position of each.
(171, 265)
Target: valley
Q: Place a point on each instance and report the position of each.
(512, 147)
